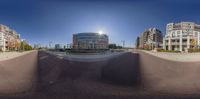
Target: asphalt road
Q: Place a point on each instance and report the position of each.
(85, 80)
(85, 57)
(128, 76)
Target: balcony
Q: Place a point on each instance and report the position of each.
(175, 43)
(184, 43)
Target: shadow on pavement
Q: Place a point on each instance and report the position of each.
(123, 70)
(84, 79)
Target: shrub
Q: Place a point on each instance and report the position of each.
(159, 49)
(171, 51)
(191, 50)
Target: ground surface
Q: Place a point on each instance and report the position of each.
(118, 77)
(10, 55)
(83, 80)
(18, 74)
(168, 76)
(182, 57)
(87, 57)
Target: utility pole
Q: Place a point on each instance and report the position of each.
(23, 46)
(50, 44)
(123, 42)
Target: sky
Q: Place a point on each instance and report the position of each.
(44, 21)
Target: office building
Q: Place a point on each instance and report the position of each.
(90, 41)
(59, 46)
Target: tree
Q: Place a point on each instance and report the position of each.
(194, 42)
(17, 44)
(114, 46)
(146, 47)
(24, 46)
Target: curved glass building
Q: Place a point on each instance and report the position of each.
(90, 40)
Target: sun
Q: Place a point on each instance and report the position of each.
(100, 32)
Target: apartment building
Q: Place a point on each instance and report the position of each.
(9, 39)
(181, 36)
(151, 38)
(137, 44)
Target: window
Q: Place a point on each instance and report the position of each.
(196, 34)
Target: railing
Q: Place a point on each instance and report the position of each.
(175, 43)
(184, 43)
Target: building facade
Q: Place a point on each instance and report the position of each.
(137, 44)
(150, 39)
(90, 41)
(181, 36)
(37, 46)
(9, 39)
(59, 46)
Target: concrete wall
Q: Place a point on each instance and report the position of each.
(18, 74)
(165, 76)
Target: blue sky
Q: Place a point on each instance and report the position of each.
(44, 21)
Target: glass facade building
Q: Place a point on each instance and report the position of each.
(90, 41)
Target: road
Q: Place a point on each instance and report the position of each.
(87, 57)
(84, 80)
(128, 76)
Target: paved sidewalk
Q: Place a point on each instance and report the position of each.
(9, 55)
(17, 75)
(182, 57)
